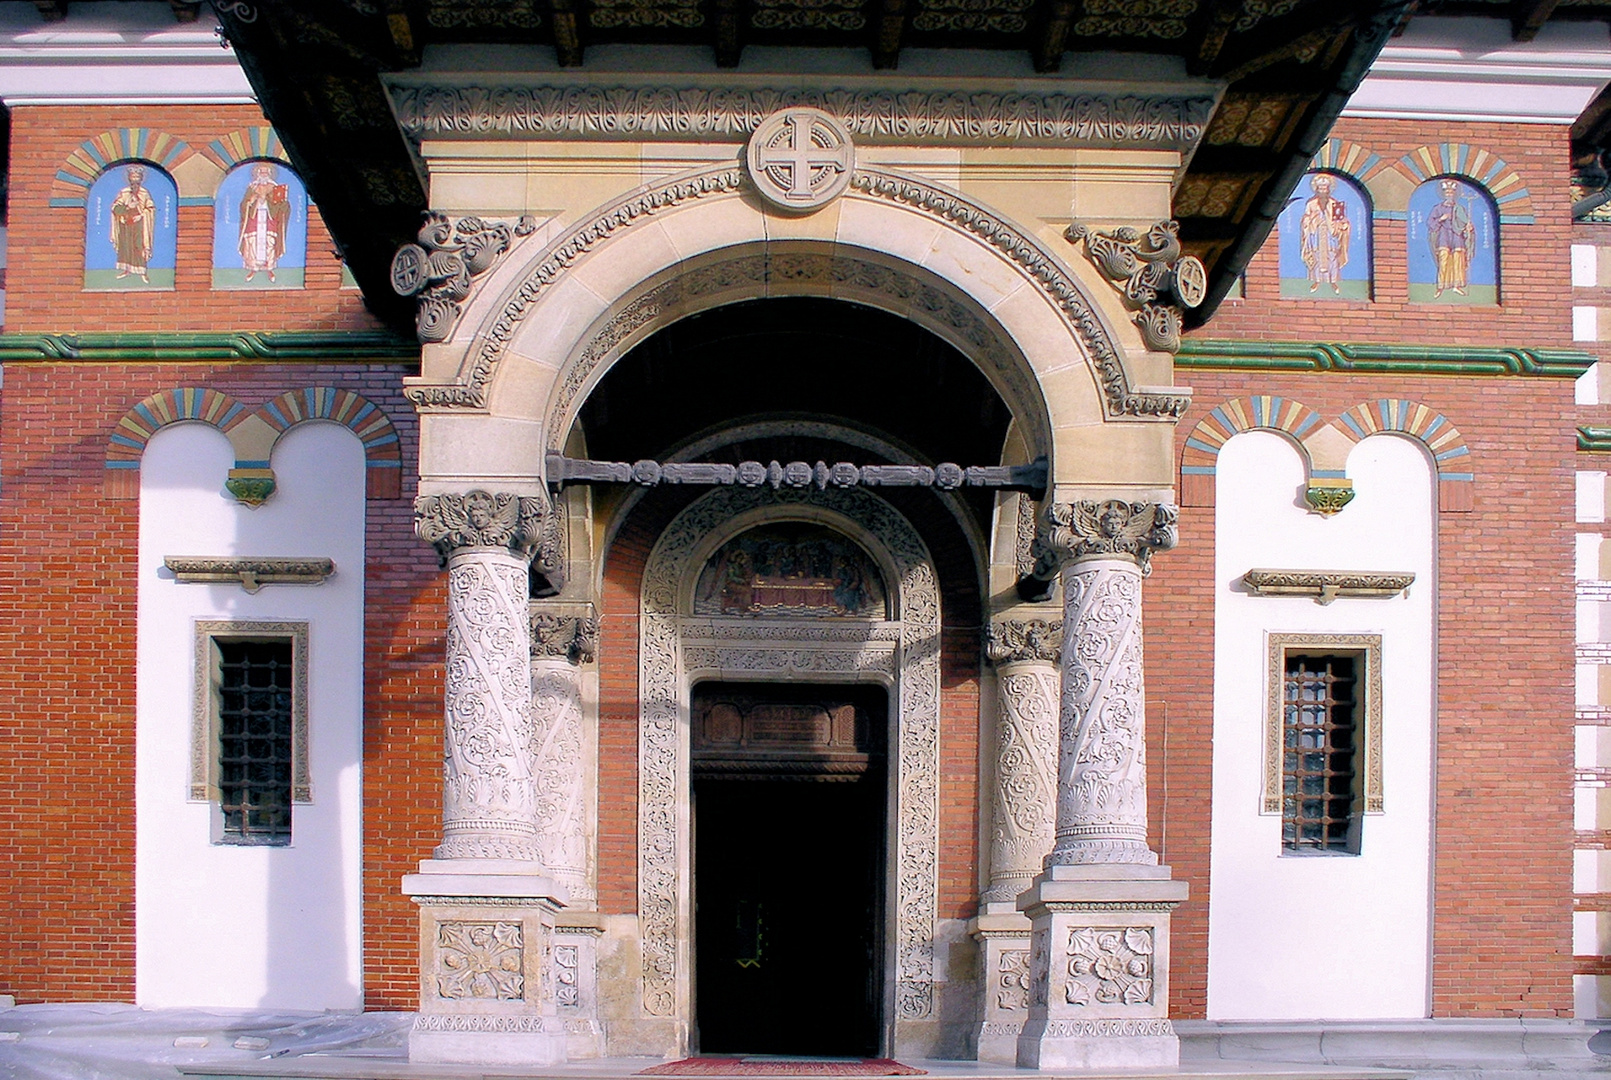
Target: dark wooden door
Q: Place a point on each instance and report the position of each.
(788, 869)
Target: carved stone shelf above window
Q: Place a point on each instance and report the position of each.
(1326, 585)
(251, 574)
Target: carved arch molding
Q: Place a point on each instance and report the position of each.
(674, 648)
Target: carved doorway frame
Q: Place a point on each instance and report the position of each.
(901, 653)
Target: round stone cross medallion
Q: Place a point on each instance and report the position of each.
(800, 159)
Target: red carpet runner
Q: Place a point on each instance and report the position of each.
(738, 1066)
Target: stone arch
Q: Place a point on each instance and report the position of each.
(84, 165)
(546, 327)
(1199, 459)
(1451, 455)
(902, 654)
(129, 438)
(383, 455)
(1481, 167)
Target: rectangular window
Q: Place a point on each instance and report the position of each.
(1323, 739)
(254, 740)
(1319, 781)
(249, 751)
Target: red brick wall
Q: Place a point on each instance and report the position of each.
(1502, 844)
(1535, 268)
(45, 275)
(68, 596)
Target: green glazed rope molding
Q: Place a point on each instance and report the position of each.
(1594, 439)
(282, 345)
(1210, 354)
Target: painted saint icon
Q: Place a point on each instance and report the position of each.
(260, 225)
(1325, 240)
(130, 231)
(1453, 249)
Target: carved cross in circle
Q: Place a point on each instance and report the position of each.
(800, 159)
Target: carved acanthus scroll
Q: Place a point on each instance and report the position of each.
(441, 269)
(1086, 528)
(1150, 265)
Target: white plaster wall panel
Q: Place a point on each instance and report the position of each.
(1588, 556)
(1585, 807)
(1587, 686)
(1263, 934)
(1586, 388)
(241, 927)
(1588, 620)
(1585, 266)
(1585, 323)
(1589, 937)
(1590, 497)
(1591, 995)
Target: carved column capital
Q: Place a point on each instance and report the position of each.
(481, 519)
(1011, 641)
(1092, 528)
(564, 637)
(441, 269)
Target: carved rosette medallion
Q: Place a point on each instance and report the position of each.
(1102, 762)
(480, 960)
(800, 159)
(441, 269)
(1109, 965)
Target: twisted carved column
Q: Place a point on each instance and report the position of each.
(1104, 549)
(489, 794)
(561, 750)
(1025, 654)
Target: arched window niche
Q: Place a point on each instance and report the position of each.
(1325, 239)
(260, 228)
(792, 569)
(131, 228)
(1453, 236)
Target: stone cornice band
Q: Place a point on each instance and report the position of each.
(897, 115)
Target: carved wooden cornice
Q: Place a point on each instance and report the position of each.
(249, 573)
(945, 476)
(1325, 585)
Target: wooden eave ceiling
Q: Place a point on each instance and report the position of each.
(1289, 65)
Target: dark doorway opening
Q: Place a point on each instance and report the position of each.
(789, 821)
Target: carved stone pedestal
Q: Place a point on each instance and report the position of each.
(1099, 968)
(1003, 937)
(576, 990)
(488, 976)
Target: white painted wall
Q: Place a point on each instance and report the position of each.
(249, 926)
(1321, 936)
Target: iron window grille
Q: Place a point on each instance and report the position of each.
(249, 738)
(1323, 740)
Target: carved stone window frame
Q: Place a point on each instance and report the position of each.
(204, 718)
(678, 649)
(1367, 648)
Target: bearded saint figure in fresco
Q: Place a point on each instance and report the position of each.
(134, 222)
(265, 213)
(1452, 236)
(1325, 229)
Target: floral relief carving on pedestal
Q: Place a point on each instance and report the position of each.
(480, 960)
(1109, 965)
(664, 671)
(1012, 980)
(567, 977)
